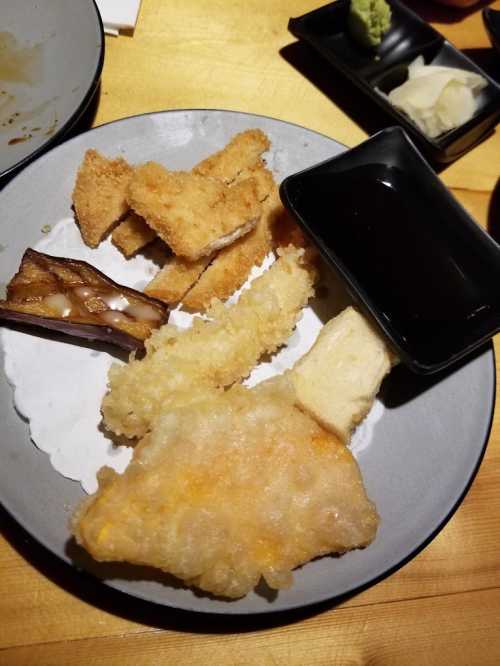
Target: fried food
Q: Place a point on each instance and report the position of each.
(235, 488)
(132, 235)
(243, 152)
(195, 215)
(181, 365)
(175, 278)
(99, 196)
(232, 265)
(73, 297)
(338, 379)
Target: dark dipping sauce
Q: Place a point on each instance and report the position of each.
(431, 280)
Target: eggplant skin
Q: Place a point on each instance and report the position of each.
(30, 282)
(92, 332)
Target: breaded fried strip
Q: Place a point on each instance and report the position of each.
(241, 153)
(99, 196)
(181, 364)
(132, 234)
(263, 177)
(175, 278)
(237, 487)
(193, 214)
(232, 265)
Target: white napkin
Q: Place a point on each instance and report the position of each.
(118, 14)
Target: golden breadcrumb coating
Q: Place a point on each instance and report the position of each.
(132, 235)
(221, 493)
(99, 196)
(176, 277)
(193, 214)
(232, 265)
(242, 152)
(181, 364)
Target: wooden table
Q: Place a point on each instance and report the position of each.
(443, 606)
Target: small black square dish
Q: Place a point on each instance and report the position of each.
(428, 274)
(379, 70)
(491, 20)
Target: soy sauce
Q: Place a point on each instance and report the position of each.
(432, 282)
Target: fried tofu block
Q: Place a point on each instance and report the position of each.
(232, 265)
(338, 379)
(180, 364)
(99, 195)
(172, 281)
(195, 215)
(241, 153)
(132, 235)
(234, 488)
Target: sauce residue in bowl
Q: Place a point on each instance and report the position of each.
(19, 64)
(403, 248)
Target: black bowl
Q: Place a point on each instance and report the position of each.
(412, 255)
(386, 67)
(491, 20)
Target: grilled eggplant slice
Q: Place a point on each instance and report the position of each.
(73, 297)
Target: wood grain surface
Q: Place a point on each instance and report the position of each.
(444, 605)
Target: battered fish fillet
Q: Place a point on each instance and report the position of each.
(181, 365)
(232, 265)
(241, 153)
(224, 492)
(99, 196)
(195, 215)
(132, 235)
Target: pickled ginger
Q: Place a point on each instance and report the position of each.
(437, 98)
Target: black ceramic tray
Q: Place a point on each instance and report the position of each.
(424, 269)
(386, 67)
(491, 19)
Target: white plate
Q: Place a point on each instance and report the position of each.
(56, 76)
(425, 448)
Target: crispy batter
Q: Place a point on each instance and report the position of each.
(193, 214)
(176, 277)
(180, 365)
(132, 235)
(241, 153)
(237, 487)
(232, 265)
(99, 196)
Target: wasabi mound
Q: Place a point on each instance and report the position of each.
(368, 21)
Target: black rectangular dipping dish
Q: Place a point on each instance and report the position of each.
(386, 67)
(428, 274)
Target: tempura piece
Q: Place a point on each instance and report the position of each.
(75, 298)
(195, 215)
(132, 235)
(232, 265)
(181, 365)
(225, 491)
(99, 196)
(241, 153)
(172, 281)
(338, 379)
